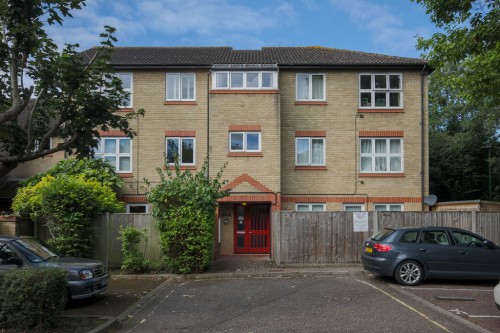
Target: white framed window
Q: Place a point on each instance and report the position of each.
(126, 79)
(182, 147)
(181, 86)
(36, 145)
(388, 207)
(382, 155)
(380, 90)
(117, 152)
(244, 142)
(354, 208)
(134, 208)
(310, 87)
(310, 151)
(310, 207)
(244, 80)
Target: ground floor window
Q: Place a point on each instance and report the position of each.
(314, 207)
(389, 207)
(354, 208)
(137, 209)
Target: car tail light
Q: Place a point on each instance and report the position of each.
(382, 247)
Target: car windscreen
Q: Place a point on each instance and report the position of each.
(382, 234)
(34, 250)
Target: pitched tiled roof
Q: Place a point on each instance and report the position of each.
(282, 56)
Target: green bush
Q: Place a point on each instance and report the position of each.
(133, 259)
(184, 211)
(32, 299)
(187, 241)
(66, 204)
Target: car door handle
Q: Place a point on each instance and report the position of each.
(423, 250)
(463, 252)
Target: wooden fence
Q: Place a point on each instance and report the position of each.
(328, 237)
(107, 245)
(297, 237)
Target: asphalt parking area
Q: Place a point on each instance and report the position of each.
(471, 300)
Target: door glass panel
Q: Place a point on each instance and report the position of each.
(241, 241)
(241, 218)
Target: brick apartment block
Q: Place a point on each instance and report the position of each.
(302, 128)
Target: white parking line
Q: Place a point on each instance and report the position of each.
(451, 289)
(483, 316)
(406, 305)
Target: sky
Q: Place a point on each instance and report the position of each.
(380, 26)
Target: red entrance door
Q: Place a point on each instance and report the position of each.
(252, 228)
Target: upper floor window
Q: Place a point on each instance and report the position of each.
(181, 87)
(310, 87)
(314, 207)
(183, 148)
(310, 151)
(245, 80)
(117, 152)
(36, 145)
(126, 79)
(380, 91)
(388, 207)
(244, 142)
(381, 155)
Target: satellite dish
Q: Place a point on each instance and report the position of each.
(430, 200)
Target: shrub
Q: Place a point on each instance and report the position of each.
(32, 299)
(133, 259)
(184, 212)
(66, 204)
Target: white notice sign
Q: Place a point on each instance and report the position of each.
(360, 220)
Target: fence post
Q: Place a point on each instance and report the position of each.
(474, 221)
(106, 235)
(375, 222)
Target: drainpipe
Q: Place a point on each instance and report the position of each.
(422, 139)
(208, 123)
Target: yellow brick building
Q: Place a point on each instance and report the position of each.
(301, 128)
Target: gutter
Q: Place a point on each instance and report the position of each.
(422, 138)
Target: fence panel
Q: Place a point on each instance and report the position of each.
(328, 237)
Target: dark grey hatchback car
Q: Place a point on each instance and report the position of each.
(87, 277)
(412, 254)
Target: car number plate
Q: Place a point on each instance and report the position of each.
(368, 250)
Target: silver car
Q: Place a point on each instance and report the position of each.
(87, 277)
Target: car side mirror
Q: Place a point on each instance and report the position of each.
(15, 261)
(490, 244)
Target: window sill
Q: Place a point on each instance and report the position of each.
(311, 103)
(311, 167)
(126, 175)
(180, 103)
(126, 110)
(182, 167)
(382, 175)
(245, 154)
(244, 91)
(381, 110)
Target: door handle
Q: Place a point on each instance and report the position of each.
(423, 250)
(463, 252)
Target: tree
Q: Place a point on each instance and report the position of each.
(71, 98)
(469, 40)
(461, 136)
(66, 201)
(184, 212)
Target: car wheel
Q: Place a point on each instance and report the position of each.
(409, 273)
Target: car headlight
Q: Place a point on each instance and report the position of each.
(86, 274)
